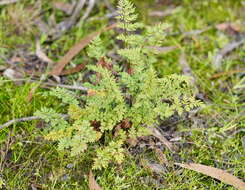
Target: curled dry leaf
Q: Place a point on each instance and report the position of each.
(93, 185)
(40, 54)
(215, 173)
(158, 135)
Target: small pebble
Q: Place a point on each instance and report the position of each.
(69, 166)
(65, 177)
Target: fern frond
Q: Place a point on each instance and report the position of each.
(155, 35)
(127, 17)
(134, 55)
(131, 40)
(96, 49)
(113, 152)
(66, 96)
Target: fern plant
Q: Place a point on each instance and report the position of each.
(123, 99)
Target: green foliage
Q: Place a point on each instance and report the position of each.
(67, 96)
(127, 17)
(119, 104)
(96, 49)
(111, 153)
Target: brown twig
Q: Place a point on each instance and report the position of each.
(18, 120)
(66, 86)
(164, 49)
(227, 73)
(190, 33)
(225, 50)
(31, 118)
(89, 9)
(195, 32)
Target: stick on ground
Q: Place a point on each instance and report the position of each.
(217, 61)
(13, 121)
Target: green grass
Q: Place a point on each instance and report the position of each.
(212, 137)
